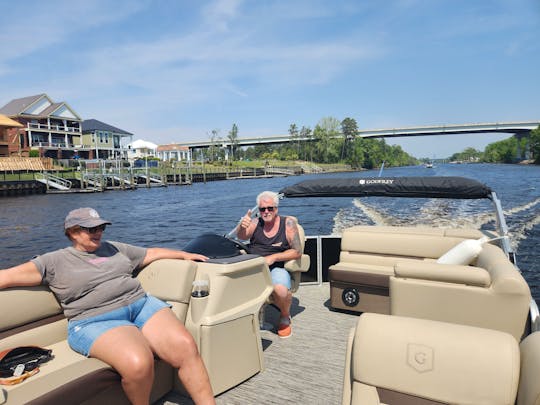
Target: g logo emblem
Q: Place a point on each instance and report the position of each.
(420, 357)
(350, 297)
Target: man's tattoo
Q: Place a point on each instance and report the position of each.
(295, 242)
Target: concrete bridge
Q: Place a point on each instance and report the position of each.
(518, 129)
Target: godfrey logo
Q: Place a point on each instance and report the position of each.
(363, 182)
(420, 357)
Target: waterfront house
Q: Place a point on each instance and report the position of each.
(9, 137)
(174, 151)
(52, 128)
(141, 149)
(104, 141)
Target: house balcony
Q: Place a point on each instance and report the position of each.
(60, 145)
(53, 128)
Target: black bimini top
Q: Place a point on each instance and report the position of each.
(413, 187)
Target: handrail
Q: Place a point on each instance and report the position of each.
(55, 181)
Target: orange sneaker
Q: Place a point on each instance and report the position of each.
(284, 328)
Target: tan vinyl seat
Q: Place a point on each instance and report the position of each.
(301, 265)
(468, 295)
(359, 282)
(398, 360)
(394, 270)
(224, 325)
(529, 378)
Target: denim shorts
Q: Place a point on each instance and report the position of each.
(281, 276)
(83, 333)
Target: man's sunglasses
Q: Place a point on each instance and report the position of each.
(94, 229)
(269, 209)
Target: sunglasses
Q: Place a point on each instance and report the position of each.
(269, 209)
(94, 229)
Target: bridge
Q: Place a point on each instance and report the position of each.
(518, 129)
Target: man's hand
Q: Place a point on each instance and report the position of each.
(246, 220)
(270, 260)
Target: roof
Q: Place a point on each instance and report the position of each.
(172, 146)
(8, 122)
(140, 144)
(18, 105)
(92, 125)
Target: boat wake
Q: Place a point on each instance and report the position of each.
(441, 213)
(520, 208)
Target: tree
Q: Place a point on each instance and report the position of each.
(214, 149)
(501, 152)
(295, 137)
(535, 145)
(233, 139)
(349, 129)
(325, 133)
(468, 154)
(307, 134)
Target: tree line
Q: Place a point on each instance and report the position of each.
(504, 151)
(331, 141)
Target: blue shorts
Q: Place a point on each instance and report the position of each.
(281, 276)
(83, 333)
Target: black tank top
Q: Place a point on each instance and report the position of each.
(264, 246)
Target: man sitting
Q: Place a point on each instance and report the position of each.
(276, 238)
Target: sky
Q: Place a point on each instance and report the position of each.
(174, 70)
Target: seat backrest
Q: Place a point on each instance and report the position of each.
(26, 310)
(529, 380)
(402, 360)
(300, 265)
(170, 280)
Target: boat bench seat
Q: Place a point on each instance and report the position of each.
(225, 321)
(394, 270)
(400, 360)
(368, 255)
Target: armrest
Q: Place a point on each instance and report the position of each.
(448, 273)
(301, 264)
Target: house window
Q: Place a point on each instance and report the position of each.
(103, 137)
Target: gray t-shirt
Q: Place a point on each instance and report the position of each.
(89, 284)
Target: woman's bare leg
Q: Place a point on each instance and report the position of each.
(128, 352)
(171, 341)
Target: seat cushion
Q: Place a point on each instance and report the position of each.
(433, 360)
(70, 378)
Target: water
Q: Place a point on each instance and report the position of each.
(172, 216)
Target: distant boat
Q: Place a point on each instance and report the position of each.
(428, 165)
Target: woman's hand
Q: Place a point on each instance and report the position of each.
(195, 256)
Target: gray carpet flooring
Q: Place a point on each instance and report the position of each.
(306, 368)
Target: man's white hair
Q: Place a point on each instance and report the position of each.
(265, 195)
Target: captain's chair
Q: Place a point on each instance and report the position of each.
(300, 265)
(294, 267)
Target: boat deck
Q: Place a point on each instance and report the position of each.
(306, 368)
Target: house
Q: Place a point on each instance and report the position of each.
(9, 137)
(141, 149)
(104, 141)
(54, 129)
(174, 151)
(57, 131)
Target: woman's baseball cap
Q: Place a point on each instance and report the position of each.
(87, 217)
